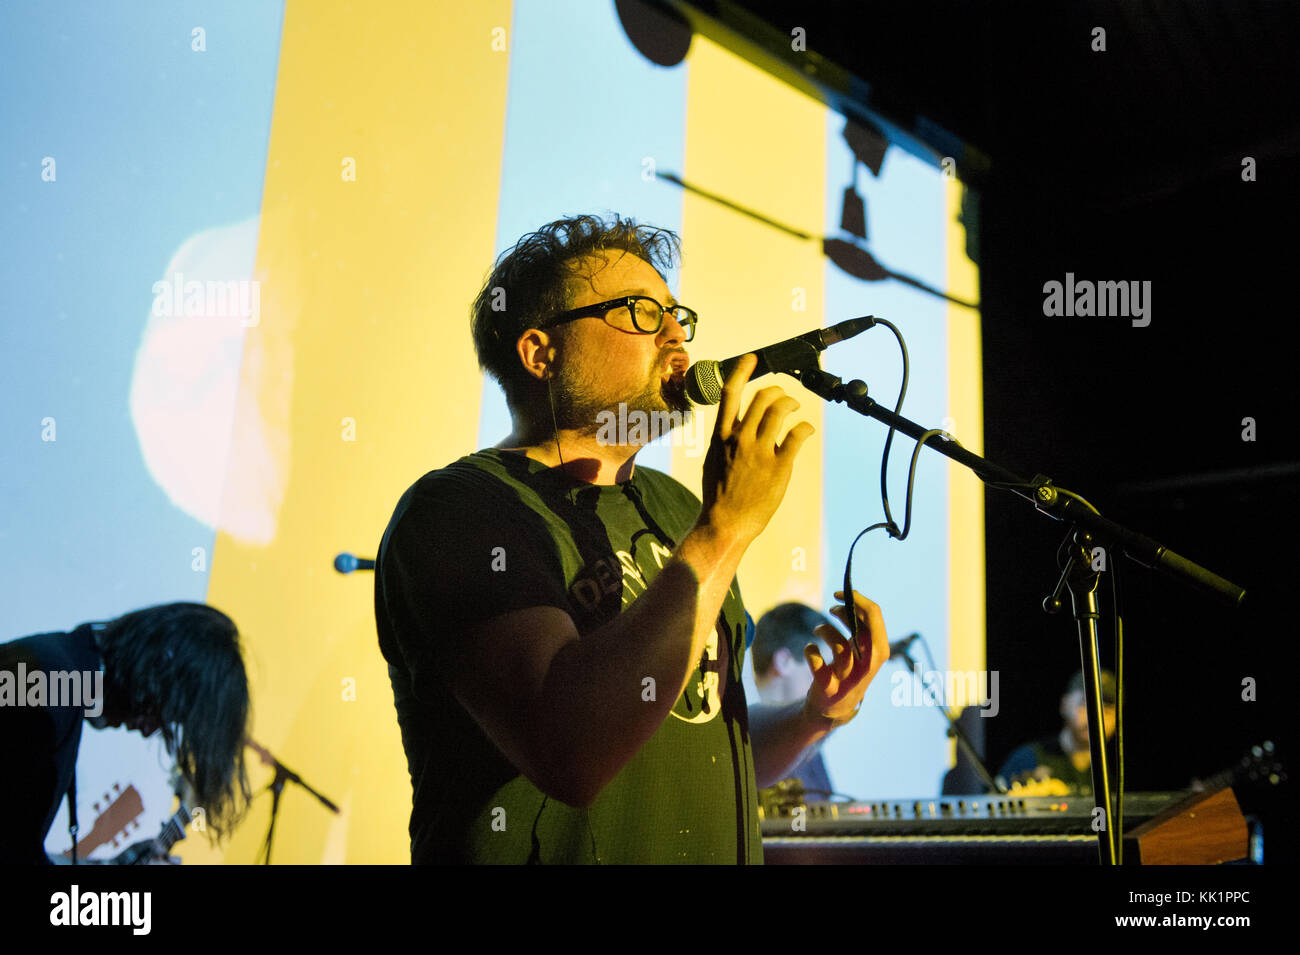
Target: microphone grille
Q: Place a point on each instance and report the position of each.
(704, 383)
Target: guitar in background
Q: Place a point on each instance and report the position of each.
(122, 816)
(1259, 767)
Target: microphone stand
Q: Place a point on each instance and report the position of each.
(1088, 528)
(956, 731)
(283, 774)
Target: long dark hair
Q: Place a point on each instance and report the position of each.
(183, 661)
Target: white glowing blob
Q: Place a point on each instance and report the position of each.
(220, 458)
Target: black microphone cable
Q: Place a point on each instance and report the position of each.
(889, 524)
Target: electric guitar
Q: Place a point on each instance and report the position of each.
(172, 831)
(121, 814)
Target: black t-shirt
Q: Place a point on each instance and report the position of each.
(38, 743)
(496, 532)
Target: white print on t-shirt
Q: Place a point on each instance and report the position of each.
(605, 576)
(705, 702)
(598, 579)
(701, 701)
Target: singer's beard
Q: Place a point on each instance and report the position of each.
(579, 408)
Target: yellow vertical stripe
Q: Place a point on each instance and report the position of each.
(360, 378)
(760, 144)
(966, 409)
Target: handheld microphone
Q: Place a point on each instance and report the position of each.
(346, 563)
(704, 379)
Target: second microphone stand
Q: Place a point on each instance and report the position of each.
(283, 774)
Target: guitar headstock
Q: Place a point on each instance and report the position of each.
(118, 817)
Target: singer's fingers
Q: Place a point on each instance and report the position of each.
(868, 610)
(815, 662)
(731, 392)
(748, 423)
(842, 661)
(795, 439)
(828, 632)
(871, 627)
(773, 420)
(841, 613)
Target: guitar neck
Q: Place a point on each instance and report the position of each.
(173, 830)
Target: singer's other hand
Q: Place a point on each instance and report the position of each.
(747, 469)
(838, 686)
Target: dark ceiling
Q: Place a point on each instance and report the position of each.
(1182, 91)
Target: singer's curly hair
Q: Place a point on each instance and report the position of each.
(182, 663)
(540, 276)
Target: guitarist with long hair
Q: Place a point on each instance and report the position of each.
(174, 668)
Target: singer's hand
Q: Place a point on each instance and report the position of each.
(838, 687)
(747, 470)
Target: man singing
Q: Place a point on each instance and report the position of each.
(563, 629)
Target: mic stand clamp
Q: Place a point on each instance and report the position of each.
(1083, 581)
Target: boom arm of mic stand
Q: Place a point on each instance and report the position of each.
(1044, 496)
(1089, 527)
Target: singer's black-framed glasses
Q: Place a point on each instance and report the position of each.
(639, 313)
